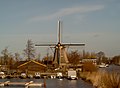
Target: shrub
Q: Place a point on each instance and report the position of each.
(89, 66)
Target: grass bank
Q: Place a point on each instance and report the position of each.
(102, 79)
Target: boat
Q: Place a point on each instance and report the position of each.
(2, 75)
(37, 75)
(53, 76)
(103, 65)
(23, 75)
(30, 76)
(59, 75)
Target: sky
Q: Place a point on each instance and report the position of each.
(93, 22)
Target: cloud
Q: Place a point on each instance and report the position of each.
(96, 35)
(69, 11)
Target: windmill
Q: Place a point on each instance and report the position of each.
(60, 56)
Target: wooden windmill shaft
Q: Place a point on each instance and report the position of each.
(60, 57)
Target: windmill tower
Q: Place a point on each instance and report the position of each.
(60, 57)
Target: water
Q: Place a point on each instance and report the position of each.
(56, 83)
(111, 68)
(68, 84)
(53, 83)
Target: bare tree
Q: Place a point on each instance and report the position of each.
(29, 52)
(100, 56)
(93, 55)
(38, 56)
(74, 57)
(17, 57)
(5, 55)
(7, 59)
(116, 60)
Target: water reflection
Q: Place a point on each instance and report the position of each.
(66, 83)
(111, 68)
(53, 83)
(56, 83)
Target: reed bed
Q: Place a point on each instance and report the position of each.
(109, 80)
(102, 79)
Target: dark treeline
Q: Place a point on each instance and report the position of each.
(74, 57)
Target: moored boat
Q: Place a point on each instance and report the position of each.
(2, 75)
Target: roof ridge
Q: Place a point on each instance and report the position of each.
(33, 62)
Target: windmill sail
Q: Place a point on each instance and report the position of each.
(60, 56)
(45, 44)
(59, 32)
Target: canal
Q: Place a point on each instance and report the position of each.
(111, 68)
(52, 83)
(57, 83)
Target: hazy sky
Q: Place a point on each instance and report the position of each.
(93, 22)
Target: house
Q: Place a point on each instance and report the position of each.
(94, 61)
(30, 67)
